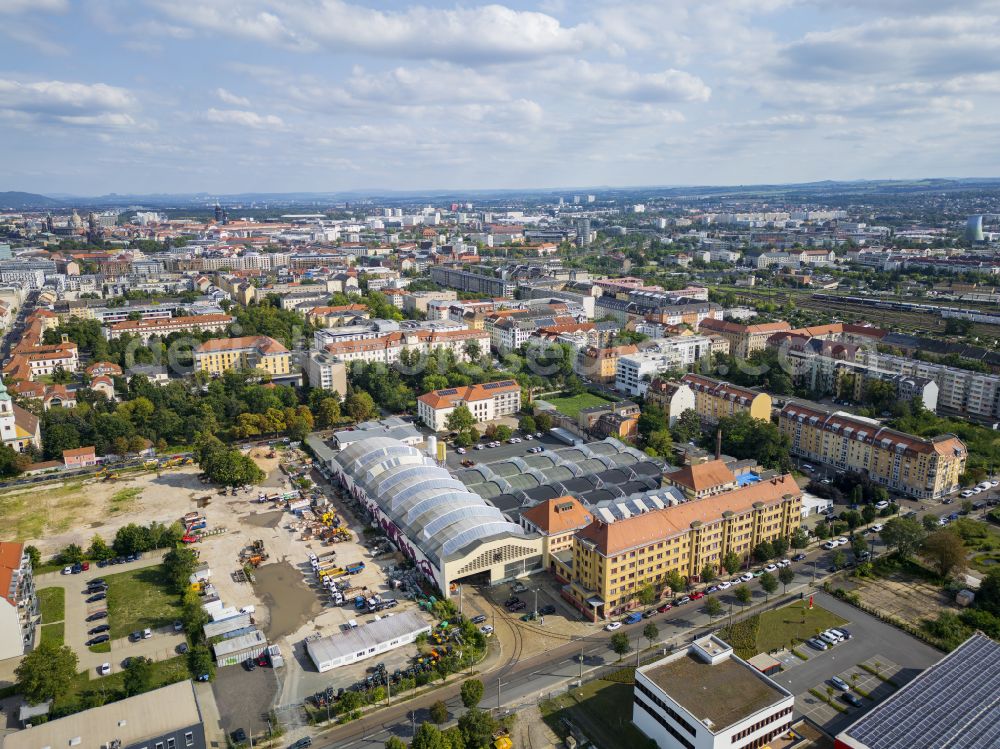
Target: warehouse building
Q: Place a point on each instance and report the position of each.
(235, 650)
(167, 717)
(449, 532)
(366, 641)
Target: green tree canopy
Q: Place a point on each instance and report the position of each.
(47, 672)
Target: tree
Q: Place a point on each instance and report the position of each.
(650, 632)
(200, 661)
(799, 538)
(786, 575)
(839, 559)
(930, 523)
(394, 742)
(743, 595)
(712, 607)
(769, 583)
(527, 424)
(852, 518)
(543, 421)
(460, 419)
(763, 551)
(904, 535)
(646, 595)
(11, 462)
(46, 673)
(477, 728)
(779, 546)
(988, 597)
(503, 432)
(620, 644)
(439, 712)
(99, 549)
(72, 554)
(676, 581)
(687, 428)
(138, 675)
(868, 514)
(746, 437)
(193, 615)
(708, 573)
(130, 539)
(360, 406)
(731, 562)
(327, 412)
(33, 554)
(472, 692)
(858, 546)
(180, 564)
(428, 736)
(946, 551)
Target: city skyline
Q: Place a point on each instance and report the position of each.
(326, 96)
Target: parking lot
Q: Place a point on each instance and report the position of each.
(244, 698)
(503, 451)
(898, 655)
(867, 688)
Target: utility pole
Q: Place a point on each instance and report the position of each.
(536, 602)
(581, 665)
(460, 599)
(498, 694)
(413, 726)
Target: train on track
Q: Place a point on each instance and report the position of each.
(974, 315)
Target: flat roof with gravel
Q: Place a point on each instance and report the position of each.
(724, 693)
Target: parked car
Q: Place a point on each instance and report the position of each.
(682, 600)
(239, 736)
(697, 595)
(725, 585)
(67, 571)
(784, 562)
(816, 644)
(839, 683)
(178, 626)
(713, 589)
(798, 557)
(479, 619)
(182, 648)
(97, 615)
(486, 629)
(147, 633)
(633, 618)
(249, 665)
(99, 628)
(135, 636)
(771, 568)
(302, 743)
(547, 610)
(98, 640)
(519, 606)
(845, 634)
(746, 577)
(649, 613)
(612, 626)
(460, 450)
(97, 597)
(829, 637)
(664, 608)
(851, 699)
(104, 669)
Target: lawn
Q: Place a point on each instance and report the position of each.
(89, 689)
(39, 511)
(124, 499)
(52, 603)
(572, 405)
(140, 598)
(601, 709)
(54, 633)
(794, 623)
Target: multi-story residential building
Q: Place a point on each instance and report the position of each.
(335, 317)
(326, 371)
(473, 282)
(19, 429)
(674, 397)
(249, 352)
(28, 363)
(634, 372)
(601, 364)
(705, 697)
(700, 480)
(511, 331)
(18, 601)
(146, 329)
(416, 301)
(743, 339)
(388, 348)
(487, 402)
(612, 561)
(556, 521)
(916, 466)
(715, 399)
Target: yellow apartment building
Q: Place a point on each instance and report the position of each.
(715, 399)
(249, 352)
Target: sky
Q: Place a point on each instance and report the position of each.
(225, 96)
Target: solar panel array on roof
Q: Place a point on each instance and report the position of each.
(495, 385)
(954, 703)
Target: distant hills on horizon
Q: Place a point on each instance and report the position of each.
(15, 200)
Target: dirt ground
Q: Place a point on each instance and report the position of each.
(905, 597)
(55, 515)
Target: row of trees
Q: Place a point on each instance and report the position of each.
(129, 539)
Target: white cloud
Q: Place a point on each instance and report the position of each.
(95, 104)
(482, 34)
(244, 118)
(618, 82)
(36, 6)
(227, 97)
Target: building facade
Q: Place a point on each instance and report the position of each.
(612, 561)
(146, 329)
(705, 697)
(919, 467)
(18, 601)
(249, 352)
(743, 339)
(487, 402)
(715, 399)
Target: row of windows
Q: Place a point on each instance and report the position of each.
(640, 687)
(764, 740)
(172, 743)
(760, 724)
(663, 722)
